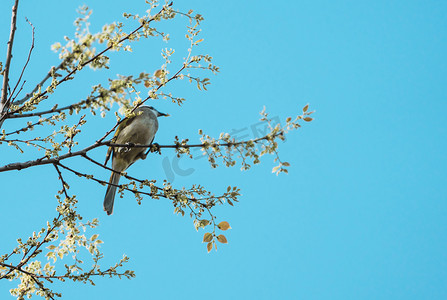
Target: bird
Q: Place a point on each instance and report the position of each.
(138, 129)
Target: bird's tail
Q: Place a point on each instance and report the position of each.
(111, 191)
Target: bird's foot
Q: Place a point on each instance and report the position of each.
(127, 148)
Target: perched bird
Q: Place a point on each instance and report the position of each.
(139, 129)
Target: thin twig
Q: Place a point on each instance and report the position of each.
(61, 178)
(24, 67)
(28, 143)
(40, 84)
(30, 125)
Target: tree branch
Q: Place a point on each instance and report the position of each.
(3, 102)
(90, 60)
(55, 108)
(32, 275)
(45, 160)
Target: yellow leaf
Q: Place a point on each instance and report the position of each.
(207, 237)
(158, 73)
(199, 41)
(209, 246)
(224, 225)
(221, 238)
(307, 119)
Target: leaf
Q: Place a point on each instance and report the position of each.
(207, 237)
(209, 246)
(158, 73)
(275, 169)
(286, 164)
(305, 108)
(307, 119)
(221, 238)
(224, 225)
(199, 41)
(204, 223)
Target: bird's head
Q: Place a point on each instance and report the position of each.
(156, 112)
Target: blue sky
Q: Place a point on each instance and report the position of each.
(361, 214)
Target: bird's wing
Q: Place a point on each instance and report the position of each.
(125, 123)
(109, 153)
